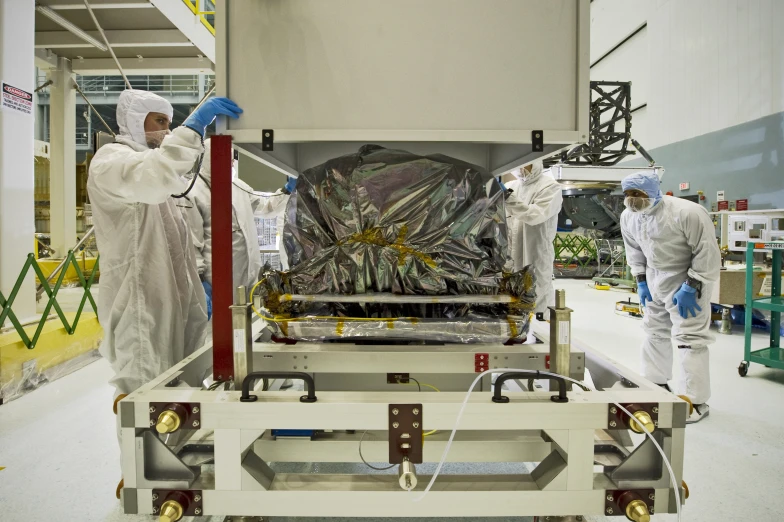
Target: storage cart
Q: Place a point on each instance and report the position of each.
(773, 355)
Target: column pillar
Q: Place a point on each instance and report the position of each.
(17, 128)
(62, 163)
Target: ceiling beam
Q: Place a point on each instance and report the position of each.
(45, 59)
(69, 26)
(135, 66)
(64, 5)
(117, 39)
(183, 19)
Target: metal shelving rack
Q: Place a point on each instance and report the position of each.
(773, 355)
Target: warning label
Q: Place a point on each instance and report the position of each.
(17, 100)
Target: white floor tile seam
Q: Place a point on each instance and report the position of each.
(61, 455)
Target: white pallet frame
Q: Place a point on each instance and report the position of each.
(567, 434)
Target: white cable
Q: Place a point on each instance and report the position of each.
(448, 446)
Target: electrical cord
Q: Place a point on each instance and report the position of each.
(363, 458)
(675, 485)
(196, 174)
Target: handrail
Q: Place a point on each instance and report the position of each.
(40, 290)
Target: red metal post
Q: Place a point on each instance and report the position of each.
(222, 281)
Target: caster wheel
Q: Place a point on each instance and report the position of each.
(743, 369)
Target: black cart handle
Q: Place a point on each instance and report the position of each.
(250, 380)
(499, 382)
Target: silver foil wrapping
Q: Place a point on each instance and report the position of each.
(383, 220)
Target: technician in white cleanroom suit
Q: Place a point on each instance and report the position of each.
(672, 250)
(246, 259)
(532, 217)
(151, 305)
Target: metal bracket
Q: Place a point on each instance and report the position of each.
(613, 500)
(267, 140)
(537, 141)
(189, 412)
(405, 433)
(618, 420)
(190, 500)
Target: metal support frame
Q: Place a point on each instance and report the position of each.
(561, 444)
(610, 106)
(222, 276)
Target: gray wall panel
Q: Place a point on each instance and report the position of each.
(745, 161)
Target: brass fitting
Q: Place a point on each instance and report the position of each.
(687, 401)
(637, 511)
(685, 490)
(171, 511)
(168, 422)
(641, 422)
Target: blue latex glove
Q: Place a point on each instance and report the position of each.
(644, 293)
(503, 187)
(686, 299)
(208, 292)
(291, 185)
(204, 115)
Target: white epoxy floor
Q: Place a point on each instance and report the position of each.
(60, 452)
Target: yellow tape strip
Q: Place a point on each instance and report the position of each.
(512, 327)
(339, 328)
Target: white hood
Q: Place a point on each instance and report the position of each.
(133, 107)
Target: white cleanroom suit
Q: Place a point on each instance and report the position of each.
(671, 242)
(246, 259)
(532, 217)
(151, 304)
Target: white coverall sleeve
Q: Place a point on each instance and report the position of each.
(274, 206)
(701, 236)
(634, 255)
(544, 205)
(148, 176)
(255, 201)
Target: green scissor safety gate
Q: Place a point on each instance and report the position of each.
(6, 304)
(572, 249)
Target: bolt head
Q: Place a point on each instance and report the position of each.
(152, 422)
(195, 423)
(395, 425)
(416, 425)
(416, 411)
(609, 511)
(155, 496)
(610, 498)
(154, 509)
(655, 409)
(152, 409)
(220, 377)
(395, 411)
(197, 511)
(613, 424)
(197, 498)
(652, 496)
(613, 410)
(195, 409)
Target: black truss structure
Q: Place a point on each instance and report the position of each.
(610, 127)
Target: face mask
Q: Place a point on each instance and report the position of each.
(155, 138)
(638, 204)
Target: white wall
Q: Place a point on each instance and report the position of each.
(700, 65)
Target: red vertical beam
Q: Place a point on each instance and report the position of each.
(222, 281)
